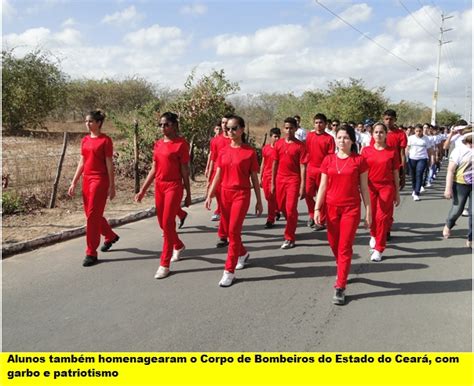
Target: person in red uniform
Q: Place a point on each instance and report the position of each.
(343, 181)
(236, 166)
(217, 144)
(170, 170)
(98, 183)
(288, 178)
(383, 187)
(318, 145)
(268, 156)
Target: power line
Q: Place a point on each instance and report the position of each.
(416, 21)
(372, 40)
(424, 10)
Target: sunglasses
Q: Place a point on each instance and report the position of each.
(334, 125)
(235, 128)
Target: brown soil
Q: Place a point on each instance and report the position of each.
(69, 213)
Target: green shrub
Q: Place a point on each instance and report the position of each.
(11, 203)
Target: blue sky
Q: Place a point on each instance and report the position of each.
(267, 46)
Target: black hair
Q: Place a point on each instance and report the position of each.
(98, 116)
(170, 117)
(418, 126)
(239, 119)
(291, 121)
(228, 116)
(275, 130)
(390, 113)
(218, 123)
(297, 117)
(336, 120)
(352, 135)
(321, 117)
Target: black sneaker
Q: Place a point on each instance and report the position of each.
(339, 297)
(182, 220)
(310, 223)
(277, 216)
(89, 260)
(318, 227)
(269, 225)
(389, 236)
(222, 243)
(108, 244)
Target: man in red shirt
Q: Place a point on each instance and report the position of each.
(288, 178)
(268, 156)
(318, 145)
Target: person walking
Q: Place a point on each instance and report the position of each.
(237, 165)
(343, 182)
(170, 170)
(419, 152)
(383, 182)
(98, 182)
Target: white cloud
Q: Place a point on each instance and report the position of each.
(127, 16)
(8, 10)
(195, 9)
(169, 40)
(271, 40)
(355, 14)
(42, 38)
(70, 22)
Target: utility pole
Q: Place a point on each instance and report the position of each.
(440, 43)
(468, 105)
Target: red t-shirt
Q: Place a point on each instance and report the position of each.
(289, 156)
(318, 146)
(217, 144)
(343, 179)
(237, 163)
(396, 139)
(168, 157)
(268, 154)
(95, 151)
(381, 164)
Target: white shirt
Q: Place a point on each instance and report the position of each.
(365, 139)
(418, 147)
(301, 134)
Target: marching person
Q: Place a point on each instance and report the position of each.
(170, 170)
(236, 166)
(318, 145)
(343, 182)
(419, 153)
(268, 156)
(383, 188)
(288, 178)
(98, 183)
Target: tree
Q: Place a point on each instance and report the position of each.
(447, 118)
(411, 113)
(33, 86)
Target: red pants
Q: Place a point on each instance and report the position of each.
(287, 194)
(94, 196)
(271, 198)
(381, 202)
(168, 196)
(342, 223)
(222, 230)
(313, 179)
(235, 205)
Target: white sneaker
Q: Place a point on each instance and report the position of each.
(242, 261)
(422, 189)
(376, 256)
(413, 193)
(428, 185)
(287, 244)
(465, 213)
(215, 217)
(162, 272)
(177, 253)
(227, 279)
(416, 198)
(372, 242)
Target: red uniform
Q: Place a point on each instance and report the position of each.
(343, 208)
(290, 155)
(318, 146)
(268, 154)
(168, 157)
(217, 144)
(381, 164)
(95, 187)
(236, 164)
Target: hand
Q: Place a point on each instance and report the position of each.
(187, 201)
(368, 220)
(302, 194)
(259, 208)
(111, 192)
(139, 196)
(402, 179)
(317, 217)
(448, 194)
(397, 199)
(272, 189)
(208, 203)
(71, 190)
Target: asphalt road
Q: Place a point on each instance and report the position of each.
(419, 298)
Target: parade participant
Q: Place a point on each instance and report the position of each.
(459, 185)
(318, 145)
(300, 132)
(236, 166)
(343, 181)
(383, 188)
(170, 170)
(98, 183)
(288, 178)
(419, 152)
(268, 156)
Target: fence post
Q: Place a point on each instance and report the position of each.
(52, 202)
(136, 173)
(191, 159)
(264, 140)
